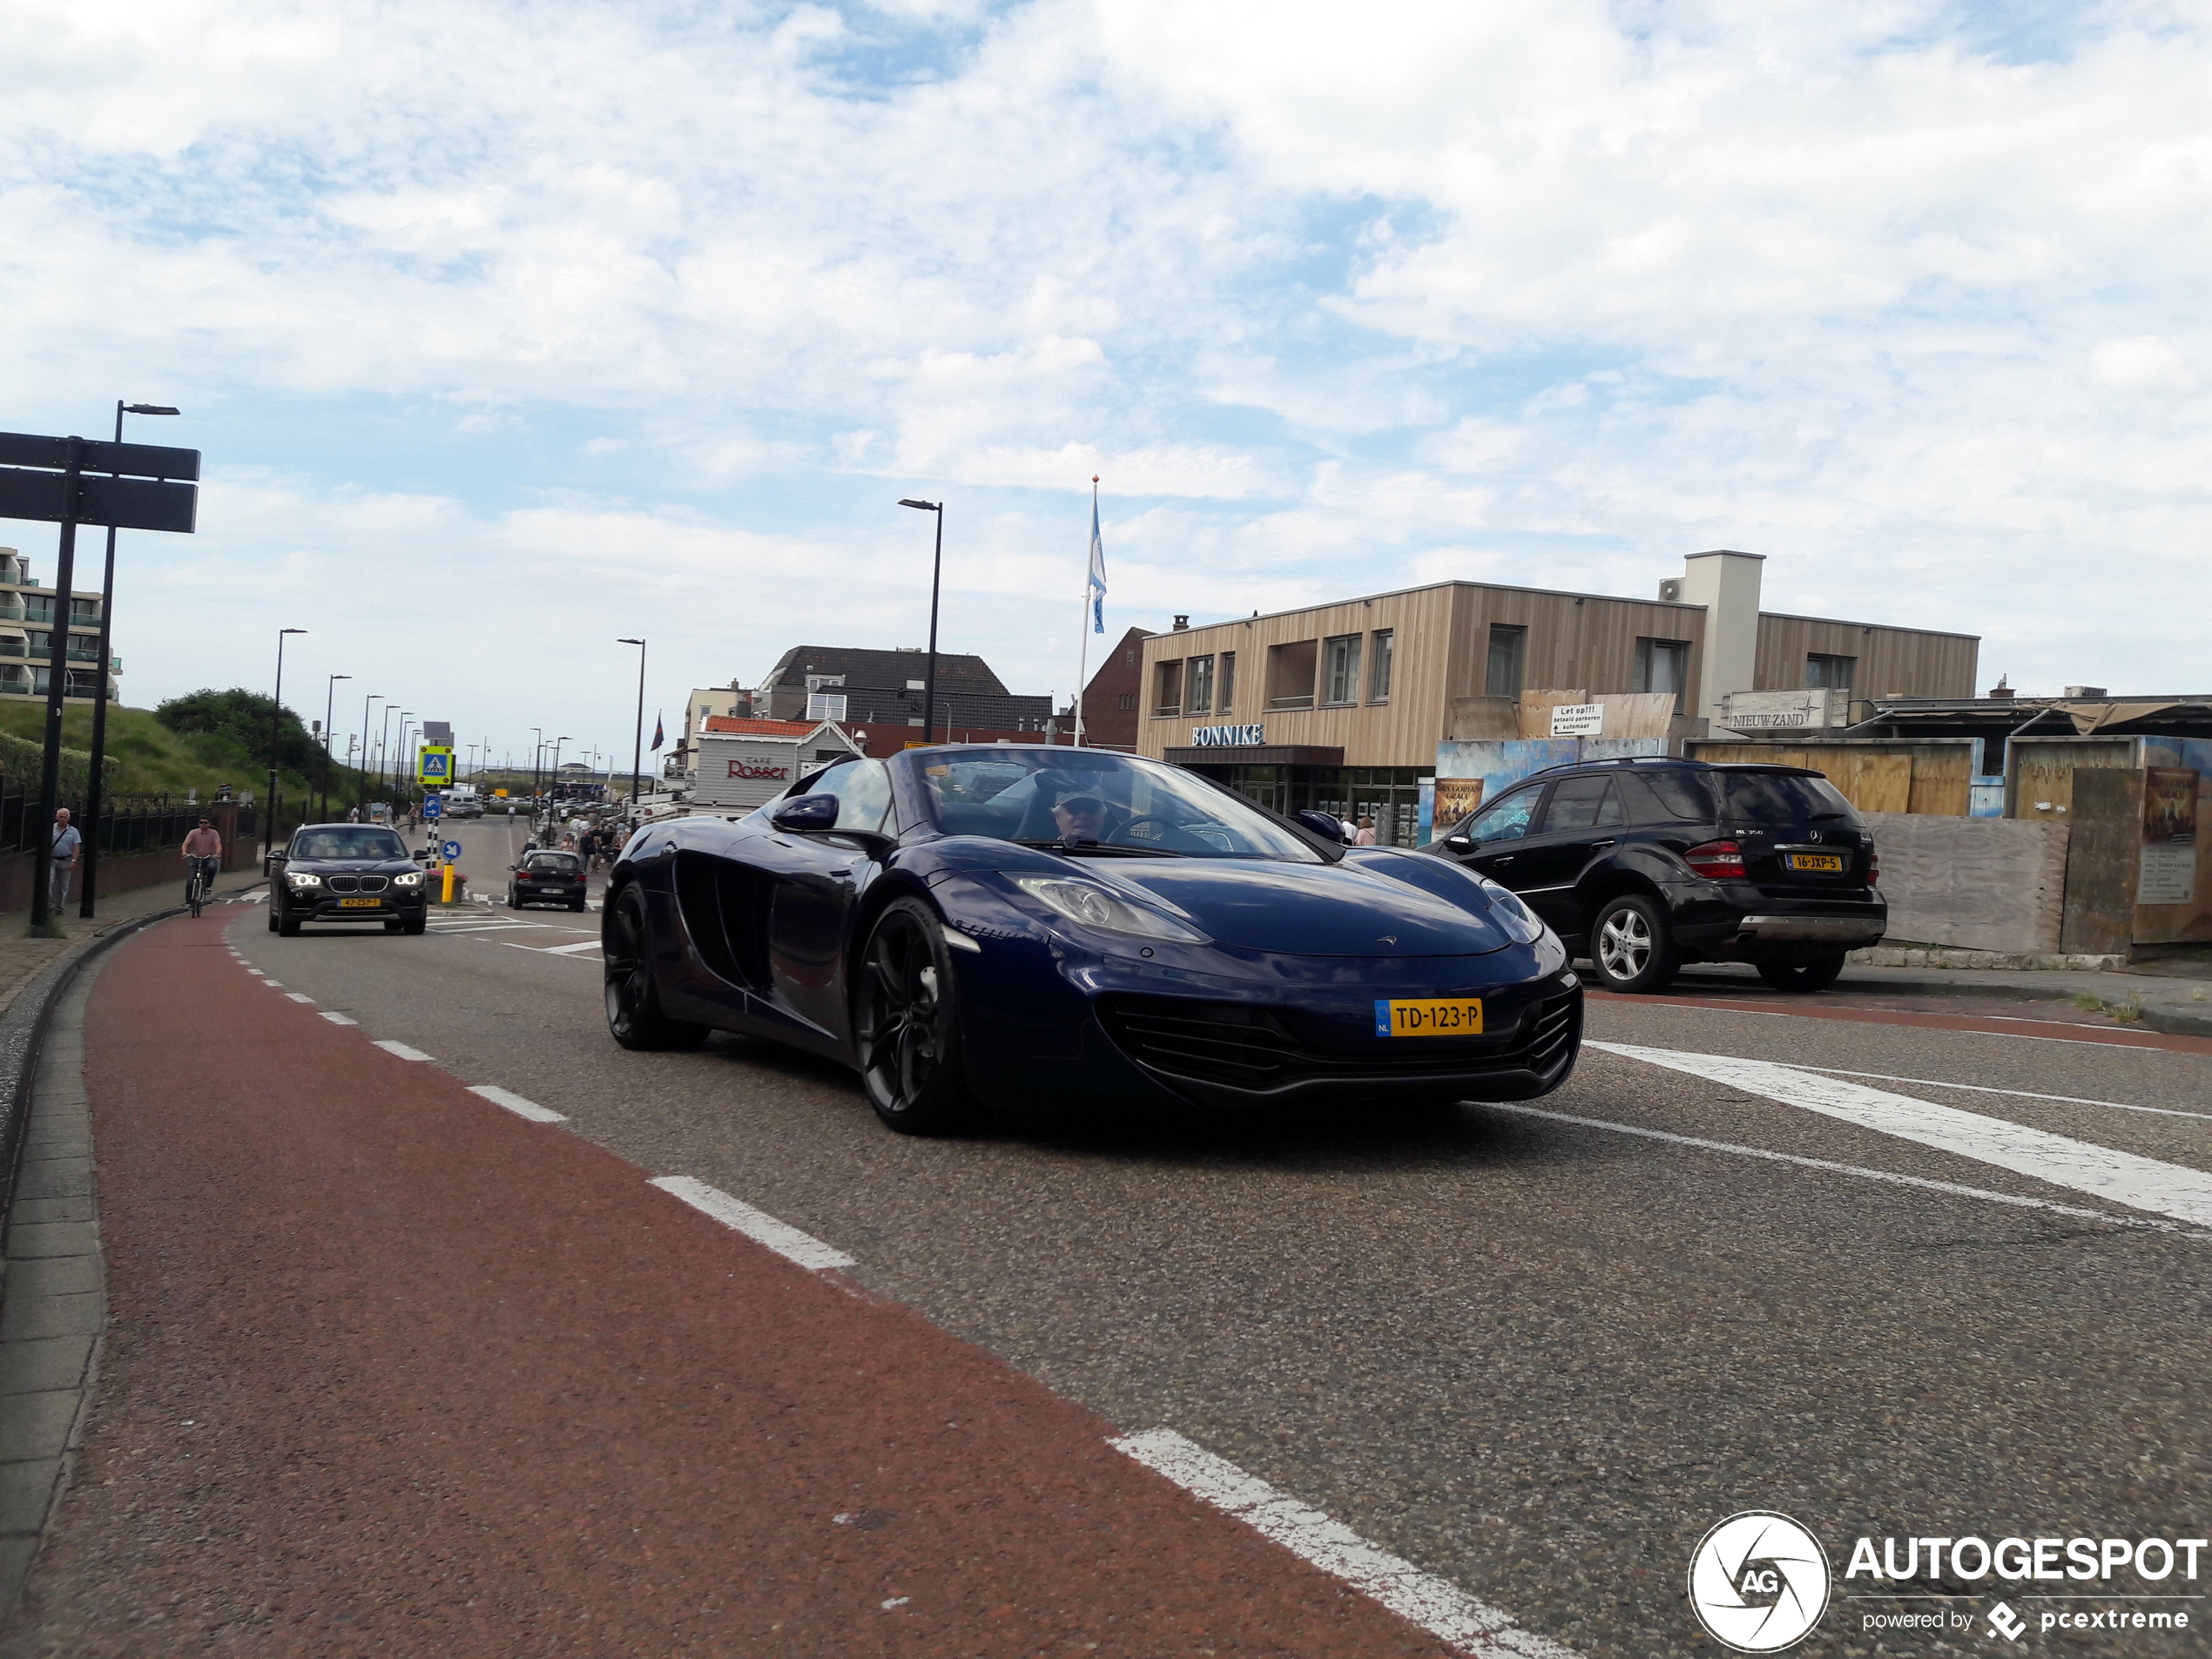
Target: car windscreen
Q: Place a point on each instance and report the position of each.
(1783, 798)
(348, 841)
(1083, 798)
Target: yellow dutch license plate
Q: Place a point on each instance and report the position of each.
(358, 904)
(1451, 1016)
(1818, 863)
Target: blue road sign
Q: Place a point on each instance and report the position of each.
(432, 807)
(451, 849)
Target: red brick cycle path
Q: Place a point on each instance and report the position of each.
(393, 1371)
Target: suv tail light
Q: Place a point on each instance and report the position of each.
(1717, 861)
(1873, 868)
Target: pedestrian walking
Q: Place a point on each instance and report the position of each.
(1366, 834)
(62, 862)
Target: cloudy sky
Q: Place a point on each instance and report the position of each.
(507, 328)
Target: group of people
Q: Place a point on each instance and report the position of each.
(1359, 833)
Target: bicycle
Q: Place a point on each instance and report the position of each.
(198, 884)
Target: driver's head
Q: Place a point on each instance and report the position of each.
(1081, 817)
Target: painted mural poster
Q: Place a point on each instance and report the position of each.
(1455, 799)
(2169, 869)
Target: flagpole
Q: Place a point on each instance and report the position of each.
(1082, 624)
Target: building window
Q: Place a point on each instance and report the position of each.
(1290, 675)
(1663, 665)
(1168, 693)
(1829, 673)
(83, 610)
(1502, 676)
(1201, 699)
(1379, 671)
(1226, 686)
(1126, 702)
(1340, 681)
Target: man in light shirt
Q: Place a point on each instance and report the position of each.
(202, 852)
(62, 862)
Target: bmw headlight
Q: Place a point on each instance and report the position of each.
(1097, 906)
(1519, 921)
(412, 879)
(304, 879)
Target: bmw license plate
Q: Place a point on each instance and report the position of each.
(1815, 863)
(358, 904)
(1452, 1017)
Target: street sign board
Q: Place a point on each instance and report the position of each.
(451, 849)
(433, 808)
(132, 460)
(127, 503)
(434, 765)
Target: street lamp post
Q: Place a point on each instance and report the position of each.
(398, 750)
(329, 735)
(90, 892)
(537, 760)
(361, 773)
(637, 747)
(937, 568)
(384, 742)
(276, 720)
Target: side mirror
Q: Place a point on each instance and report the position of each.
(1460, 843)
(803, 814)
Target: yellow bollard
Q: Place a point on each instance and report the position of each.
(446, 896)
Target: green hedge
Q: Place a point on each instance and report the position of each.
(24, 761)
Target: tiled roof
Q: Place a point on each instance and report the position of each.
(738, 727)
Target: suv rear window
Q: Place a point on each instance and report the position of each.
(1783, 798)
(551, 863)
(1683, 795)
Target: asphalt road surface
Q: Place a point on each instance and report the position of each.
(1895, 1276)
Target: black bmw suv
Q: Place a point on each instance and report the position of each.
(1643, 865)
(347, 873)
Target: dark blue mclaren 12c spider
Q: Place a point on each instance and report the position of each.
(1057, 930)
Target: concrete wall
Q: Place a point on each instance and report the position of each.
(1973, 883)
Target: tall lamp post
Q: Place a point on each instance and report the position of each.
(937, 568)
(329, 735)
(360, 773)
(637, 747)
(90, 892)
(384, 741)
(276, 720)
(537, 760)
(399, 749)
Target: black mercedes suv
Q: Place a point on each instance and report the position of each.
(1643, 865)
(347, 873)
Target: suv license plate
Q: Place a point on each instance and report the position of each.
(358, 904)
(1456, 1016)
(1820, 863)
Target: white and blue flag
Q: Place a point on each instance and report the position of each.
(1097, 573)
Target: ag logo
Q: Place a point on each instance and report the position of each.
(1758, 1581)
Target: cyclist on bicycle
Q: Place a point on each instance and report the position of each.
(204, 857)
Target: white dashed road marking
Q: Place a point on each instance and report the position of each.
(784, 1239)
(2121, 1177)
(1440, 1607)
(399, 1048)
(297, 997)
(516, 1104)
(339, 1019)
(554, 950)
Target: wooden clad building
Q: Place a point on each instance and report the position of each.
(1340, 706)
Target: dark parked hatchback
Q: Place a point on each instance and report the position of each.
(547, 878)
(1643, 865)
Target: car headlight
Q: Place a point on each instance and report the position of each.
(1097, 906)
(1526, 927)
(303, 880)
(412, 879)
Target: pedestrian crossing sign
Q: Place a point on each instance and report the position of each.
(434, 766)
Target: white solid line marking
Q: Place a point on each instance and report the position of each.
(1440, 1607)
(780, 1237)
(515, 1103)
(1829, 1166)
(2121, 1177)
(553, 950)
(339, 1019)
(297, 997)
(2017, 1094)
(399, 1048)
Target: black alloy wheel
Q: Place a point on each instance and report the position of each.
(415, 924)
(634, 1016)
(393, 924)
(906, 1019)
(577, 903)
(1816, 975)
(514, 900)
(274, 911)
(288, 926)
(1630, 947)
